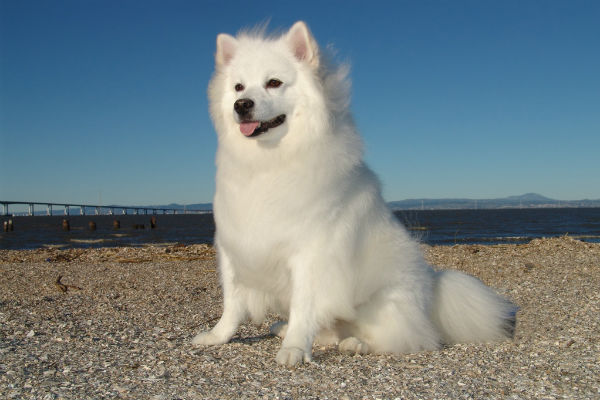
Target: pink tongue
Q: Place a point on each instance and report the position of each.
(247, 128)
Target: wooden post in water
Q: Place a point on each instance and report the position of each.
(65, 225)
(8, 226)
(116, 224)
(92, 225)
(153, 222)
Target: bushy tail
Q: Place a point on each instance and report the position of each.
(465, 310)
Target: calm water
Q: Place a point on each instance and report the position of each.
(445, 227)
(449, 227)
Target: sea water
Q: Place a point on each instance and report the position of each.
(435, 227)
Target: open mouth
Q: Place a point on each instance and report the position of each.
(255, 128)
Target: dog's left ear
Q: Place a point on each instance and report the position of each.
(303, 44)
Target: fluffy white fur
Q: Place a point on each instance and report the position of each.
(302, 228)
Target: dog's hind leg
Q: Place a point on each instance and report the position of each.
(392, 324)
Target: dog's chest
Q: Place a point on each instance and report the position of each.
(260, 220)
(263, 202)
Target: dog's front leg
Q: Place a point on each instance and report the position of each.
(234, 308)
(302, 324)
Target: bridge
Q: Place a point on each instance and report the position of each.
(95, 209)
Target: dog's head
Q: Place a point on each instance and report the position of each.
(262, 83)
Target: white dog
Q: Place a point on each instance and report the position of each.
(302, 228)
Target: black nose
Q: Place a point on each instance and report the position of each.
(243, 106)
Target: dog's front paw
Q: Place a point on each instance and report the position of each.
(291, 356)
(208, 338)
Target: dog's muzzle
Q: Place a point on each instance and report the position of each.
(250, 127)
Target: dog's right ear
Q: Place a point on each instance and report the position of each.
(226, 48)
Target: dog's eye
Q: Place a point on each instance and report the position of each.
(239, 87)
(273, 83)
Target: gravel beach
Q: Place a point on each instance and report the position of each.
(117, 323)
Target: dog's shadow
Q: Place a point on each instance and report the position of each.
(249, 340)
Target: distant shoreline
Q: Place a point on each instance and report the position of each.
(528, 207)
(525, 201)
(391, 205)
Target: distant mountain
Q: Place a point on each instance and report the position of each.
(532, 197)
(528, 200)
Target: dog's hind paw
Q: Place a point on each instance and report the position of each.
(353, 345)
(279, 328)
(291, 356)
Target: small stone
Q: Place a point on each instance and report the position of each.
(161, 372)
(120, 389)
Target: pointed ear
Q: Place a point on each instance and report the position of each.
(226, 48)
(302, 44)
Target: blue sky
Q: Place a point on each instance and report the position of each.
(105, 101)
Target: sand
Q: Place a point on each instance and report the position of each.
(118, 324)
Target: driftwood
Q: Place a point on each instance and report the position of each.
(64, 288)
